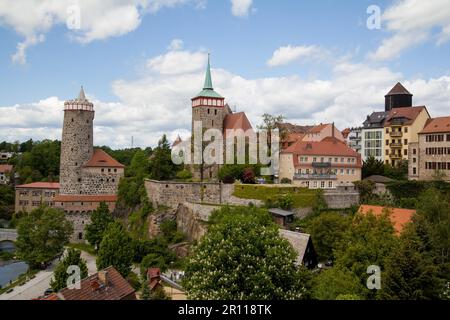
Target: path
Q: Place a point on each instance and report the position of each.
(37, 286)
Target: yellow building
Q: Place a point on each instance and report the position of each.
(402, 127)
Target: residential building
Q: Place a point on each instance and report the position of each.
(303, 246)
(399, 217)
(33, 195)
(324, 164)
(354, 139)
(5, 156)
(106, 284)
(309, 133)
(372, 136)
(5, 171)
(429, 157)
(401, 128)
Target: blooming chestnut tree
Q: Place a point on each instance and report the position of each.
(242, 257)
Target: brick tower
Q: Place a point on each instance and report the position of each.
(77, 143)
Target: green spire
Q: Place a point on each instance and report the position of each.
(208, 82)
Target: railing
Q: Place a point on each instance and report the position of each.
(395, 156)
(321, 164)
(396, 134)
(312, 176)
(395, 145)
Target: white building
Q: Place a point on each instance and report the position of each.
(372, 136)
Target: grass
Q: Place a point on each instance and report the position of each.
(302, 197)
(22, 279)
(83, 247)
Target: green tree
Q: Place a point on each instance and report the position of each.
(161, 165)
(116, 249)
(73, 258)
(153, 260)
(42, 235)
(158, 294)
(368, 241)
(100, 219)
(6, 202)
(371, 167)
(366, 189)
(327, 230)
(145, 290)
(333, 283)
(411, 272)
(241, 257)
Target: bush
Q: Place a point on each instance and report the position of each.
(286, 181)
(184, 175)
(285, 201)
(134, 281)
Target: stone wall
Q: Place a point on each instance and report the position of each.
(171, 194)
(94, 181)
(341, 197)
(79, 221)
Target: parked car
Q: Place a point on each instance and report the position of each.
(49, 291)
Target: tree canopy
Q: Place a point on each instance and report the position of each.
(100, 219)
(42, 235)
(60, 276)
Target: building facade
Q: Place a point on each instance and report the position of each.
(88, 176)
(5, 171)
(33, 195)
(354, 139)
(429, 157)
(326, 164)
(401, 128)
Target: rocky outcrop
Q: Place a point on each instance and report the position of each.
(192, 219)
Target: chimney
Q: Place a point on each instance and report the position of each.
(332, 130)
(103, 277)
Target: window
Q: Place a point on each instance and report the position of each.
(387, 152)
(406, 129)
(330, 184)
(109, 170)
(208, 111)
(387, 130)
(80, 235)
(387, 142)
(405, 152)
(115, 170)
(414, 171)
(414, 160)
(103, 170)
(406, 141)
(215, 112)
(322, 184)
(414, 151)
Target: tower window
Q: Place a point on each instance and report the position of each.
(215, 112)
(72, 120)
(208, 111)
(87, 121)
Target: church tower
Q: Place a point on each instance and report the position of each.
(77, 145)
(208, 106)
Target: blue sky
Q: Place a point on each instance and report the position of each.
(117, 71)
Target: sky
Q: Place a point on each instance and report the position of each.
(141, 61)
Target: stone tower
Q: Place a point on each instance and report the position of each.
(208, 106)
(77, 143)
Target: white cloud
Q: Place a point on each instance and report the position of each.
(288, 54)
(178, 62)
(97, 20)
(176, 44)
(241, 8)
(412, 22)
(159, 102)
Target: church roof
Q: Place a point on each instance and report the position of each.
(398, 89)
(236, 121)
(101, 159)
(208, 89)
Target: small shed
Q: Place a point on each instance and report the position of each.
(282, 217)
(303, 246)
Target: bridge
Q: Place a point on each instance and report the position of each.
(8, 235)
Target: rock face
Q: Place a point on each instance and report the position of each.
(191, 219)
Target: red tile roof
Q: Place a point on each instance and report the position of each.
(52, 296)
(437, 125)
(409, 113)
(40, 185)
(345, 132)
(236, 121)
(93, 288)
(5, 168)
(318, 128)
(101, 159)
(399, 217)
(85, 198)
(329, 146)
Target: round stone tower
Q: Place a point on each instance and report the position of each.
(77, 145)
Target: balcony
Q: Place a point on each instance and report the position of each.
(314, 176)
(358, 138)
(396, 134)
(395, 156)
(395, 145)
(321, 164)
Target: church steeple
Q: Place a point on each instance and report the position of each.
(208, 82)
(208, 89)
(81, 95)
